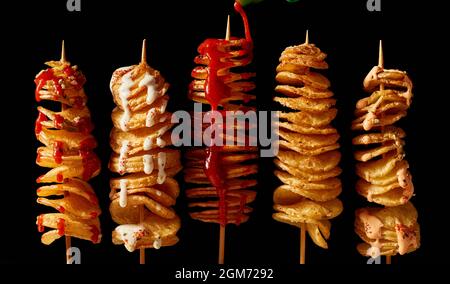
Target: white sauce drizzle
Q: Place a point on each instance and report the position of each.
(123, 155)
(161, 165)
(123, 193)
(130, 234)
(149, 82)
(124, 92)
(148, 143)
(160, 142)
(148, 164)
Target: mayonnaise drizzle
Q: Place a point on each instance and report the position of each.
(374, 250)
(148, 143)
(130, 234)
(164, 105)
(405, 181)
(150, 119)
(149, 82)
(124, 92)
(123, 198)
(160, 142)
(157, 243)
(148, 164)
(118, 73)
(372, 225)
(406, 237)
(161, 166)
(123, 155)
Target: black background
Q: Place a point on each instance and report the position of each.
(108, 34)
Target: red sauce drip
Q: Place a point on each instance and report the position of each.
(38, 126)
(78, 102)
(93, 215)
(95, 234)
(59, 177)
(61, 226)
(215, 88)
(42, 79)
(77, 76)
(84, 125)
(38, 158)
(40, 221)
(61, 209)
(38, 180)
(238, 7)
(216, 176)
(88, 143)
(242, 203)
(69, 71)
(90, 163)
(58, 151)
(215, 91)
(59, 120)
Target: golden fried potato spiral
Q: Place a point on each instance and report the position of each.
(223, 176)
(308, 158)
(139, 138)
(384, 175)
(387, 231)
(68, 152)
(383, 172)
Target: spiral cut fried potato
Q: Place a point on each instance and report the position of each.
(68, 152)
(383, 172)
(387, 231)
(222, 174)
(308, 158)
(138, 140)
(384, 175)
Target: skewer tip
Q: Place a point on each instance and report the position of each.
(144, 52)
(307, 37)
(227, 34)
(380, 55)
(63, 52)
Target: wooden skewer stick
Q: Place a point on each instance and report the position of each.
(141, 250)
(380, 55)
(222, 227)
(141, 208)
(381, 65)
(68, 246)
(222, 244)
(144, 52)
(388, 259)
(303, 225)
(63, 107)
(302, 243)
(63, 53)
(227, 34)
(381, 61)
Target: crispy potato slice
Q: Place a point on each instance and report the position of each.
(313, 164)
(326, 184)
(390, 133)
(307, 104)
(312, 79)
(305, 91)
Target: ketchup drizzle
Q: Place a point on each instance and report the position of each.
(215, 91)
